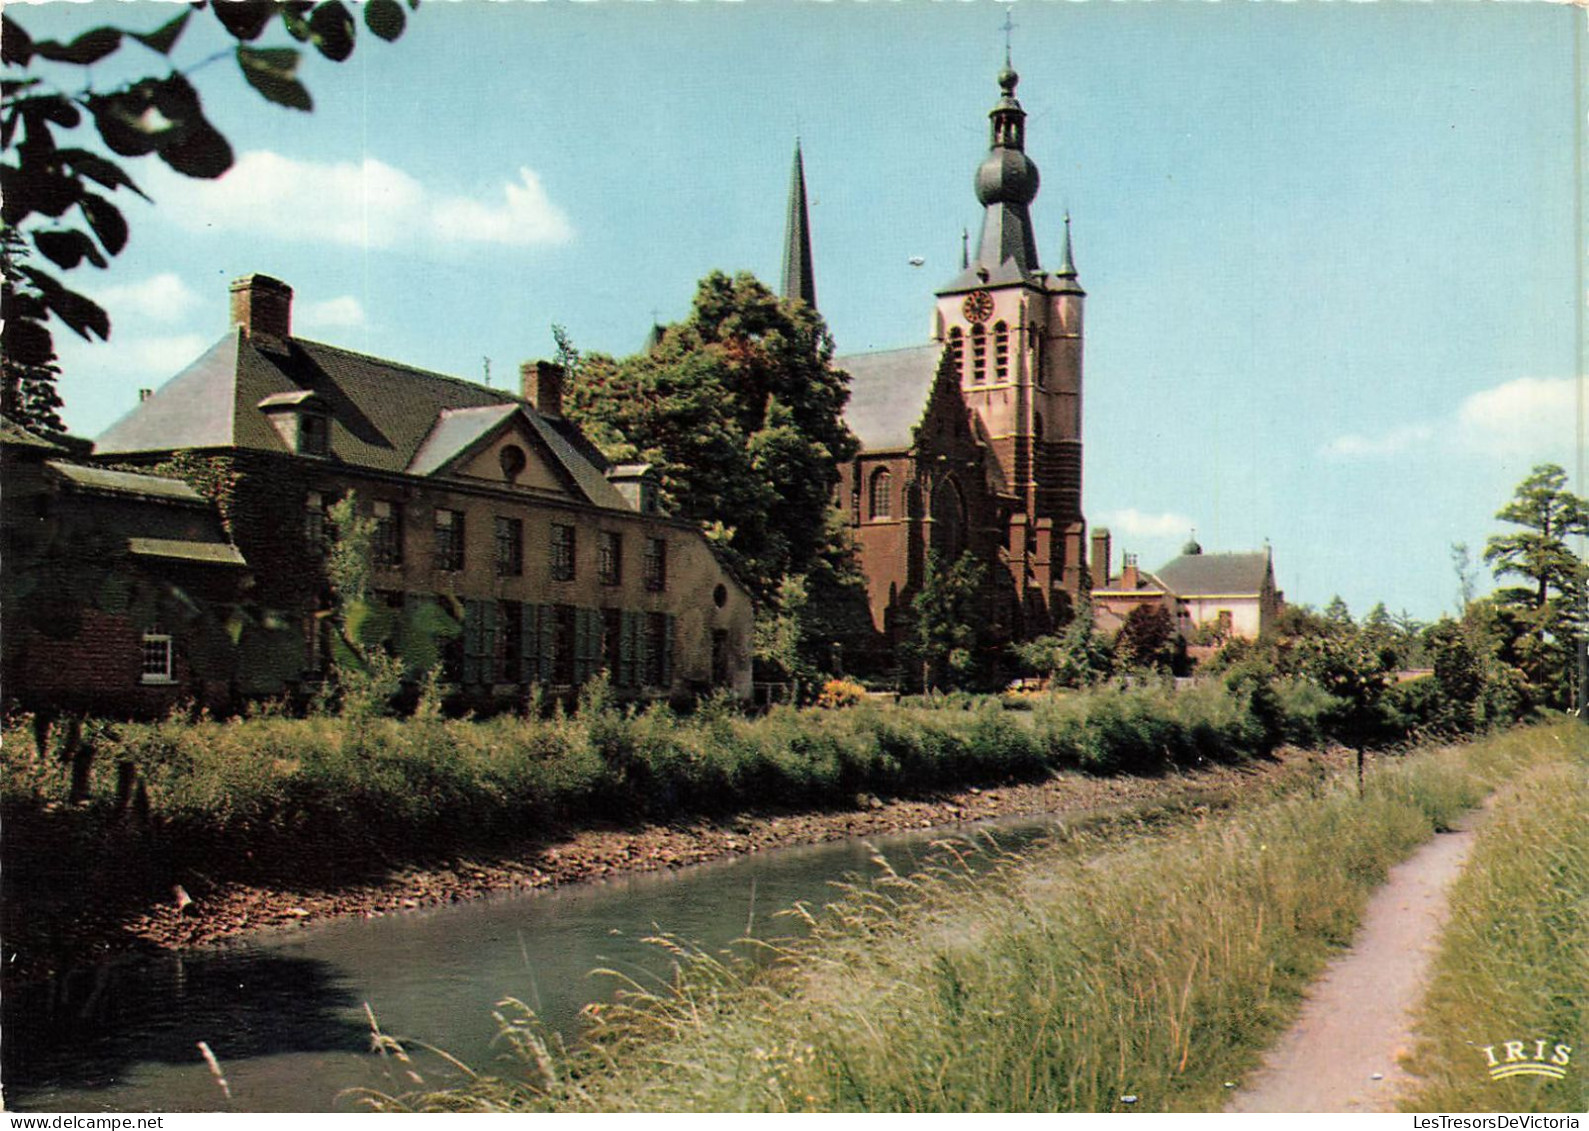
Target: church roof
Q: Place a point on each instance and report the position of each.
(384, 416)
(889, 390)
(1195, 575)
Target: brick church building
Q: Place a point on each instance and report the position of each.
(972, 440)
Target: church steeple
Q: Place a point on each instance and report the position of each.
(1006, 184)
(799, 279)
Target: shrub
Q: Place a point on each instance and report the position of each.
(841, 693)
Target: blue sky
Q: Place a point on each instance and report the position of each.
(1329, 247)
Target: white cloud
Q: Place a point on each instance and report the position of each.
(360, 204)
(344, 310)
(1385, 444)
(160, 298)
(529, 216)
(1533, 417)
(1133, 522)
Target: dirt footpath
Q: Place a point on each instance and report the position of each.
(1343, 1052)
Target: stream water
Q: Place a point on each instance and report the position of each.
(286, 1017)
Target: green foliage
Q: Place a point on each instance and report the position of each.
(945, 637)
(57, 191)
(29, 393)
(1077, 658)
(739, 410)
(375, 646)
(1148, 640)
(1549, 604)
(213, 476)
(1514, 951)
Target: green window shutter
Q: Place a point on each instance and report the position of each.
(529, 643)
(488, 642)
(472, 631)
(641, 659)
(624, 676)
(587, 648)
(548, 641)
(667, 651)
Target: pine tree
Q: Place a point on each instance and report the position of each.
(1548, 604)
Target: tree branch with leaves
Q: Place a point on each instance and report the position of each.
(65, 146)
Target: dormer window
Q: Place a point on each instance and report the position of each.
(314, 435)
(302, 421)
(637, 483)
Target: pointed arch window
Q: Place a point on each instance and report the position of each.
(880, 503)
(1001, 352)
(979, 355)
(957, 348)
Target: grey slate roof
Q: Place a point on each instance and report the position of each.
(104, 480)
(1192, 575)
(384, 416)
(209, 553)
(889, 390)
(455, 431)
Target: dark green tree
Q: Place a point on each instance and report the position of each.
(739, 410)
(29, 395)
(66, 141)
(1147, 640)
(1547, 604)
(944, 640)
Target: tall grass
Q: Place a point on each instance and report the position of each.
(1513, 963)
(1154, 967)
(270, 785)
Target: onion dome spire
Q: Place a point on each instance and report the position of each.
(799, 276)
(1006, 184)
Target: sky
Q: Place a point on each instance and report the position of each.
(1330, 248)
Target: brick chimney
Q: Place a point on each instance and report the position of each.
(262, 306)
(1130, 576)
(1100, 557)
(542, 385)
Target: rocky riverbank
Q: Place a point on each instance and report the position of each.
(202, 911)
(230, 910)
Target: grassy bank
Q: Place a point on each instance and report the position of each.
(1514, 958)
(1156, 968)
(265, 791)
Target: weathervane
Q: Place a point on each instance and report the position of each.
(1009, 26)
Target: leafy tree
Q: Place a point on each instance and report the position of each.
(1078, 657)
(375, 646)
(1336, 612)
(1548, 603)
(945, 637)
(739, 410)
(64, 142)
(1147, 640)
(29, 395)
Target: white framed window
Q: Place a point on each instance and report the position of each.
(156, 656)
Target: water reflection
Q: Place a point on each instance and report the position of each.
(288, 1018)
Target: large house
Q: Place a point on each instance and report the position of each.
(972, 440)
(493, 506)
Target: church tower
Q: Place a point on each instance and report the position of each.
(1014, 334)
(799, 280)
